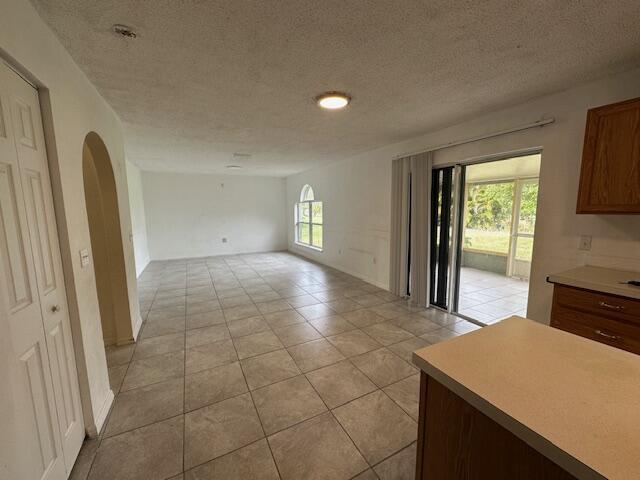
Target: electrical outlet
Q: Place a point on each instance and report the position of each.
(585, 243)
(224, 239)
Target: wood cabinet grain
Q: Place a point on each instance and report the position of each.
(602, 317)
(610, 173)
(458, 442)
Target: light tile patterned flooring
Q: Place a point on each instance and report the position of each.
(490, 297)
(264, 366)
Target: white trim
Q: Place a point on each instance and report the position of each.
(136, 328)
(307, 188)
(311, 247)
(101, 417)
(143, 264)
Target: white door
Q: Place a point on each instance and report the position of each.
(46, 419)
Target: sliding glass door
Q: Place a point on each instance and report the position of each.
(442, 192)
(497, 217)
(482, 230)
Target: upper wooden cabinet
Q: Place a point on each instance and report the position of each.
(610, 175)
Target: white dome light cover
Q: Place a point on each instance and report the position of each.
(333, 100)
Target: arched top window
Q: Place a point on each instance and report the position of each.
(306, 194)
(308, 220)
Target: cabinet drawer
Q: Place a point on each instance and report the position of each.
(612, 332)
(598, 303)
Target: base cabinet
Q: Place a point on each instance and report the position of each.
(458, 442)
(602, 317)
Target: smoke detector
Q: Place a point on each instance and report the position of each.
(124, 31)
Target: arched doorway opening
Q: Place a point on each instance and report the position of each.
(106, 241)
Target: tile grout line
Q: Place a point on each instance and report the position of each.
(253, 402)
(340, 424)
(106, 422)
(289, 275)
(184, 380)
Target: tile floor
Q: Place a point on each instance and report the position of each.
(490, 297)
(264, 366)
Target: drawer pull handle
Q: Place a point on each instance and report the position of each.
(611, 307)
(607, 335)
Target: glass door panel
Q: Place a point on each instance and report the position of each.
(441, 233)
(497, 224)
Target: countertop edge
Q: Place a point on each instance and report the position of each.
(536, 441)
(593, 286)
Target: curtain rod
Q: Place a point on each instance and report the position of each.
(539, 123)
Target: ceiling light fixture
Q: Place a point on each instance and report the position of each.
(124, 31)
(333, 100)
(234, 167)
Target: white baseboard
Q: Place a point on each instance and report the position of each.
(164, 258)
(136, 328)
(101, 416)
(340, 268)
(140, 268)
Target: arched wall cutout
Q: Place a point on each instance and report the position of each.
(106, 241)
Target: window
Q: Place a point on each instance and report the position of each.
(308, 219)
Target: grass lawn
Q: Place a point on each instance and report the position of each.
(496, 242)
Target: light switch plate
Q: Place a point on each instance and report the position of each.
(585, 242)
(84, 257)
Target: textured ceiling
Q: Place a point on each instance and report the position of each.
(207, 78)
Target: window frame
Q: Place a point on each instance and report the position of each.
(307, 199)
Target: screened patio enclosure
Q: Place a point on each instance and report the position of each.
(500, 201)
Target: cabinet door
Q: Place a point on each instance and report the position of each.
(610, 176)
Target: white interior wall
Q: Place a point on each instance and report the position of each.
(356, 196)
(188, 215)
(72, 108)
(138, 218)
(357, 190)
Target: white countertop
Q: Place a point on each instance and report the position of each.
(599, 279)
(574, 400)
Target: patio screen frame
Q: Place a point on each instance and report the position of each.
(516, 202)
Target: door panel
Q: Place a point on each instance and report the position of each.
(36, 185)
(35, 200)
(441, 222)
(13, 244)
(34, 367)
(35, 450)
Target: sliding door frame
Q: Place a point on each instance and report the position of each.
(455, 250)
(455, 256)
(440, 250)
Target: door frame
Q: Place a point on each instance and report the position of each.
(455, 257)
(442, 186)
